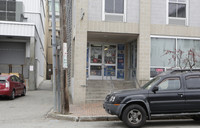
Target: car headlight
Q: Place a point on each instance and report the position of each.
(112, 99)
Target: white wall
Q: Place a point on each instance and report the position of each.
(95, 10)
(133, 11)
(194, 13)
(158, 11)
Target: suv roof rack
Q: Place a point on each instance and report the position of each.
(184, 70)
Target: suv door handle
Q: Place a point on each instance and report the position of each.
(180, 94)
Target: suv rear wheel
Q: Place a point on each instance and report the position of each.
(134, 116)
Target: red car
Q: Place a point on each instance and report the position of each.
(11, 86)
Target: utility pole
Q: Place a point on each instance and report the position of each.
(54, 53)
(64, 86)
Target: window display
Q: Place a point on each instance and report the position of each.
(109, 71)
(95, 70)
(110, 54)
(96, 54)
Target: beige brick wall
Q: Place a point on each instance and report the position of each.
(143, 45)
(80, 53)
(114, 27)
(174, 30)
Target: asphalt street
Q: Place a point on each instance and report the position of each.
(30, 112)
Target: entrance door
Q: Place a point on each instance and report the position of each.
(96, 52)
(103, 61)
(110, 62)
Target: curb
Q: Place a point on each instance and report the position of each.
(54, 115)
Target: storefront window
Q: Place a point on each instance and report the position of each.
(109, 71)
(95, 70)
(158, 49)
(110, 54)
(162, 60)
(96, 54)
(185, 45)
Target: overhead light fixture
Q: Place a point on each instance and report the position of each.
(105, 49)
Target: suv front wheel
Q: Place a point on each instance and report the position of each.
(134, 116)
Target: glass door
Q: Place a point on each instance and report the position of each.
(103, 62)
(95, 61)
(110, 61)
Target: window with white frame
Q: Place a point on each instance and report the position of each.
(177, 12)
(114, 10)
(163, 51)
(8, 10)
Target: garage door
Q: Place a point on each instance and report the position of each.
(12, 53)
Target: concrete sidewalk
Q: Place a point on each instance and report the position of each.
(85, 112)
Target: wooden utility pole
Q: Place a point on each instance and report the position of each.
(63, 33)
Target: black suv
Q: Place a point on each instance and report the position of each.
(174, 93)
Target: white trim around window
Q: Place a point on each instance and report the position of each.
(167, 11)
(103, 10)
(174, 18)
(174, 37)
(114, 14)
(187, 12)
(125, 11)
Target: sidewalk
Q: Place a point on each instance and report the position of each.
(86, 112)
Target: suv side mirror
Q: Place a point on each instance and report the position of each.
(155, 89)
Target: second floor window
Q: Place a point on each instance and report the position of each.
(114, 6)
(177, 13)
(114, 10)
(177, 8)
(8, 10)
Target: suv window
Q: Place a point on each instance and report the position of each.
(13, 78)
(169, 84)
(151, 83)
(193, 82)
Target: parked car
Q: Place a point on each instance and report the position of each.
(174, 93)
(11, 86)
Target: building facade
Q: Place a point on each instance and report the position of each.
(120, 40)
(23, 37)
